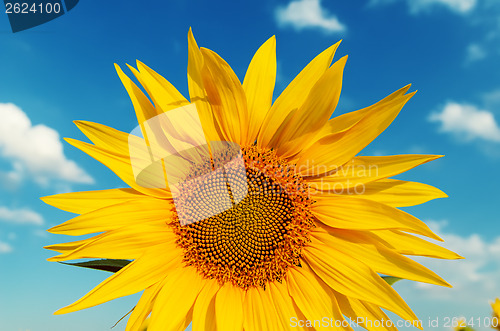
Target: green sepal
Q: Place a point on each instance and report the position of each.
(391, 280)
(110, 265)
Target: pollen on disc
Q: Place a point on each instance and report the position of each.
(257, 236)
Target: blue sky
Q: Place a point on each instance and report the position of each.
(63, 71)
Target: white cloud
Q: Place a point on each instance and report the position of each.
(41, 233)
(460, 6)
(417, 6)
(5, 248)
(34, 150)
(20, 216)
(475, 52)
(467, 122)
(301, 14)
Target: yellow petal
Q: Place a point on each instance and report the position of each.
(143, 107)
(229, 308)
(176, 299)
(353, 278)
(226, 97)
(69, 246)
(382, 260)
(496, 307)
(294, 95)
(105, 136)
(361, 214)
(122, 167)
(87, 201)
(140, 154)
(313, 114)
(143, 308)
(364, 313)
(125, 243)
(204, 307)
(197, 91)
(259, 86)
(258, 311)
(313, 297)
(397, 193)
(365, 169)
(284, 305)
(164, 95)
(152, 267)
(408, 244)
(133, 212)
(346, 121)
(336, 149)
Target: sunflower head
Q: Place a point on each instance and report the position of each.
(244, 213)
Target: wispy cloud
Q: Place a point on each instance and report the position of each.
(34, 150)
(5, 248)
(467, 122)
(417, 6)
(492, 98)
(475, 52)
(303, 14)
(20, 216)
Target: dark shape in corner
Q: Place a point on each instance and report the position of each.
(27, 14)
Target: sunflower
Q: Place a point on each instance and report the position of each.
(274, 223)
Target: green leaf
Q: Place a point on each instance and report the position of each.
(391, 280)
(104, 264)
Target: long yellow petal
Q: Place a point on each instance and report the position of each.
(141, 153)
(364, 313)
(346, 121)
(133, 212)
(229, 308)
(258, 311)
(143, 107)
(313, 114)
(408, 244)
(226, 97)
(197, 91)
(152, 267)
(397, 193)
(284, 305)
(69, 246)
(87, 201)
(294, 95)
(164, 95)
(336, 149)
(125, 243)
(353, 278)
(121, 166)
(313, 297)
(259, 86)
(365, 169)
(361, 214)
(204, 307)
(382, 260)
(143, 308)
(176, 299)
(105, 136)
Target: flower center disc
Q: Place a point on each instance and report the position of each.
(261, 235)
